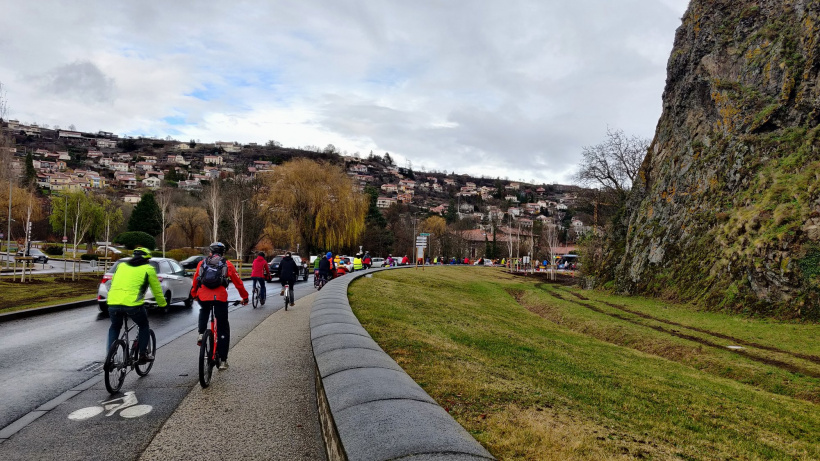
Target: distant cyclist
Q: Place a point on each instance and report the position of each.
(260, 273)
(210, 287)
(288, 270)
(126, 297)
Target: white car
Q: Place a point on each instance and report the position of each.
(376, 262)
(176, 284)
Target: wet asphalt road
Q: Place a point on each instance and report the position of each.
(42, 357)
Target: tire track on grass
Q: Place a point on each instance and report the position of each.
(792, 368)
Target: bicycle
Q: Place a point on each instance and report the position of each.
(319, 281)
(208, 356)
(121, 359)
(288, 294)
(255, 294)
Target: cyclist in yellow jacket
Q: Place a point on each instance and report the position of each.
(126, 297)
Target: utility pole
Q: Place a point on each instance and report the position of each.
(8, 243)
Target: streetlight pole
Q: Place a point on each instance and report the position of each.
(8, 243)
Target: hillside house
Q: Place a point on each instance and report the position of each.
(132, 199)
(358, 168)
(118, 166)
(213, 160)
(106, 143)
(406, 197)
(385, 202)
(511, 198)
(69, 134)
(389, 188)
(151, 183)
(182, 146)
(230, 147)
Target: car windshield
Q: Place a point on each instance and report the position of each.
(276, 260)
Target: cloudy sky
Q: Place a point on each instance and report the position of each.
(511, 88)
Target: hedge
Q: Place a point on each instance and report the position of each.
(135, 239)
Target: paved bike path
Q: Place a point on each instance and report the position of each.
(262, 407)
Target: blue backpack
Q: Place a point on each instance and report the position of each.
(214, 272)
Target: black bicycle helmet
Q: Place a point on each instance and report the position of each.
(217, 248)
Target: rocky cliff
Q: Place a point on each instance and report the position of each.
(726, 210)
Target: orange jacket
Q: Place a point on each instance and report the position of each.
(204, 293)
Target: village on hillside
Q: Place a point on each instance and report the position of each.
(70, 160)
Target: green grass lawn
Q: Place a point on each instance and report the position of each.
(541, 371)
(45, 291)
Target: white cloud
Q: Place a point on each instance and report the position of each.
(510, 88)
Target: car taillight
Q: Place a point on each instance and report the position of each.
(160, 278)
(105, 279)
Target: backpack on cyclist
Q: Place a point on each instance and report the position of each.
(213, 272)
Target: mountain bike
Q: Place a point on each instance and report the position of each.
(288, 295)
(208, 355)
(121, 358)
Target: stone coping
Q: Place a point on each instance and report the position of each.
(370, 408)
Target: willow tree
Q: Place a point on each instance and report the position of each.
(316, 205)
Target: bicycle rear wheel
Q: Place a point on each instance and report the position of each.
(255, 296)
(143, 368)
(116, 366)
(206, 363)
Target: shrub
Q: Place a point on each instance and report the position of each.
(89, 257)
(182, 253)
(135, 239)
(53, 250)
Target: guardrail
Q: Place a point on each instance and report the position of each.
(370, 409)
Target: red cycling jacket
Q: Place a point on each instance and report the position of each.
(260, 268)
(204, 293)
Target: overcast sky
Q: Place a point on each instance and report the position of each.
(511, 88)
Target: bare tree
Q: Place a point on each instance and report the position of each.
(165, 198)
(614, 163)
(213, 204)
(6, 142)
(551, 239)
(189, 220)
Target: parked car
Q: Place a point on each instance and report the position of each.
(376, 262)
(111, 250)
(192, 262)
(39, 256)
(303, 269)
(176, 284)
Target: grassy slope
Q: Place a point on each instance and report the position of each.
(44, 291)
(535, 376)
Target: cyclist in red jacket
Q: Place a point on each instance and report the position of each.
(216, 297)
(260, 273)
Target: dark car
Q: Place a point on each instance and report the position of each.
(37, 255)
(191, 262)
(277, 260)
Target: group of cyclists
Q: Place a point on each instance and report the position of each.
(211, 279)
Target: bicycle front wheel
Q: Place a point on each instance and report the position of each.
(116, 366)
(144, 368)
(206, 362)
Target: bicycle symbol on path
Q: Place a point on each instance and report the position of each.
(128, 407)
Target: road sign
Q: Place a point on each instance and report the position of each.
(65, 239)
(424, 234)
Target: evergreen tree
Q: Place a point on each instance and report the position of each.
(31, 173)
(146, 216)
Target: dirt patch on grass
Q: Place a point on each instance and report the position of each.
(547, 434)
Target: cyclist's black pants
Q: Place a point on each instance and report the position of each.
(223, 328)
